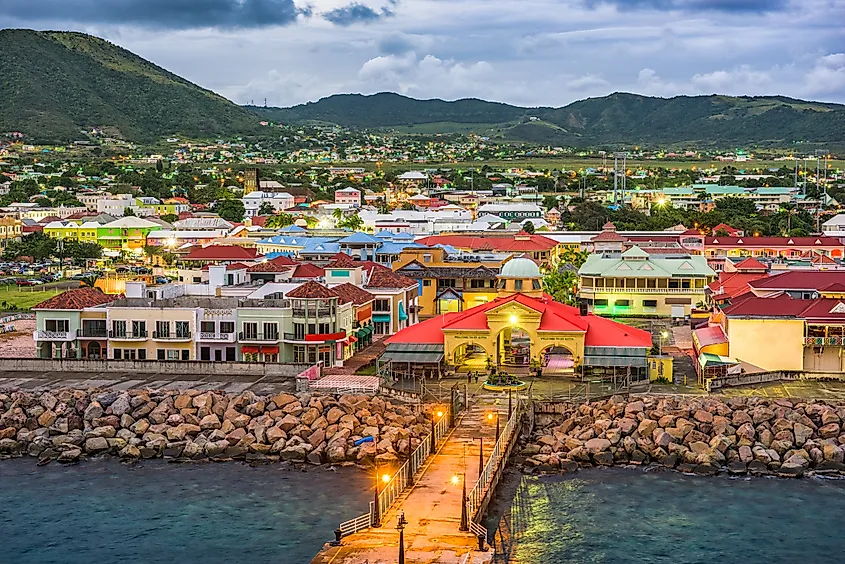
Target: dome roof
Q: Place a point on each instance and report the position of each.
(521, 268)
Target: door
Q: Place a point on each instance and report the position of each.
(218, 355)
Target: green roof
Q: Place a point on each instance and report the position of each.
(655, 266)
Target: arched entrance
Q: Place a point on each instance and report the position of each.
(94, 350)
(513, 347)
(558, 361)
(470, 357)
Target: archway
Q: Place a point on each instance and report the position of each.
(557, 360)
(513, 347)
(470, 357)
(94, 350)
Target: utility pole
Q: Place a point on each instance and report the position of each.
(616, 161)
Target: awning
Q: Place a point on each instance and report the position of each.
(364, 332)
(402, 315)
(352, 339)
(382, 318)
(270, 350)
(413, 357)
(249, 350)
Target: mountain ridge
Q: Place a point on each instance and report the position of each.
(620, 117)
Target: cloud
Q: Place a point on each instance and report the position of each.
(427, 76)
(157, 14)
(738, 6)
(358, 13)
(827, 76)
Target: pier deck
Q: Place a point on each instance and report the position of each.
(433, 505)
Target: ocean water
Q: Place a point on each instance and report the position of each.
(623, 515)
(155, 512)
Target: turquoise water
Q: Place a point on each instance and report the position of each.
(155, 512)
(623, 515)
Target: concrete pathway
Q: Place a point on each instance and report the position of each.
(433, 506)
(53, 381)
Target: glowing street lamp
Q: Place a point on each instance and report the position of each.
(663, 335)
(514, 319)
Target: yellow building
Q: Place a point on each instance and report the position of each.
(449, 284)
(635, 283)
(10, 230)
(523, 328)
(72, 230)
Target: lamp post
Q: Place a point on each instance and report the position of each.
(400, 526)
(663, 335)
(376, 505)
(490, 417)
(480, 456)
(464, 516)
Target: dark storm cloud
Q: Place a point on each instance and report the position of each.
(357, 13)
(161, 14)
(739, 6)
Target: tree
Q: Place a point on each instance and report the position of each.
(230, 210)
(79, 250)
(266, 208)
(127, 212)
(353, 222)
(561, 285)
(550, 202)
(278, 221)
(170, 217)
(528, 227)
(36, 245)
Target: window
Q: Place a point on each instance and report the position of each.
(163, 329)
(250, 330)
(426, 283)
(118, 329)
(183, 329)
(231, 354)
(446, 283)
(207, 326)
(600, 303)
(271, 331)
(186, 354)
(381, 305)
(197, 279)
(649, 303)
(426, 258)
(623, 303)
(57, 325)
(129, 354)
(517, 285)
(299, 354)
(674, 283)
(475, 283)
(227, 326)
(118, 354)
(142, 354)
(139, 329)
(324, 328)
(172, 354)
(160, 354)
(271, 357)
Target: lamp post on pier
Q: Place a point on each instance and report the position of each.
(400, 526)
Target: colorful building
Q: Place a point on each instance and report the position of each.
(635, 283)
(72, 325)
(784, 247)
(127, 234)
(523, 327)
(538, 247)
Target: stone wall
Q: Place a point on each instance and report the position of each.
(67, 424)
(175, 367)
(705, 435)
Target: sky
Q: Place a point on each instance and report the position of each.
(524, 52)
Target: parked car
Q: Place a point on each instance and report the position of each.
(27, 282)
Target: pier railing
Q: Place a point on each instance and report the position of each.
(398, 482)
(498, 458)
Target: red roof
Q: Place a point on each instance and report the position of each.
(312, 290)
(732, 284)
(819, 310)
(352, 293)
(799, 280)
(749, 242)
(600, 332)
(223, 253)
(713, 335)
(822, 259)
(258, 220)
(274, 265)
(386, 278)
(837, 287)
(341, 260)
(77, 299)
(308, 271)
(521, 242)
(608, 236)
(750, 263)
(726, 228)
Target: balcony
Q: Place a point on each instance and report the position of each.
(92, 333)
(157, 336)
(314, 338)
(258, 337)
(127, 336)
(641, 291)
(824, 341)
(54, 335)
(311, 312)
(211, 337)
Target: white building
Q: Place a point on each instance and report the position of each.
(279, 200)
(118, 204)
(835, 226)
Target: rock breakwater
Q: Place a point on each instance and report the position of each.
(65, 425)
(787, 437)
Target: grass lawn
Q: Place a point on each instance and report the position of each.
(25, 298)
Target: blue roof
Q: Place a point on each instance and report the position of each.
(385, 234)
(391, 248)
(359, 237)
(295, 240)
(320, 246)
(293, 229)
(404, 236)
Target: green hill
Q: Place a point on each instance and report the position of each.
(619, 118)
(55, 84)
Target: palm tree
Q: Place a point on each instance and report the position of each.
(90, 280)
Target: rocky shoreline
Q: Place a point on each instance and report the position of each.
(67, 425)
(702, 435)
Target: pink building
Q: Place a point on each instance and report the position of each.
(348, 196)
